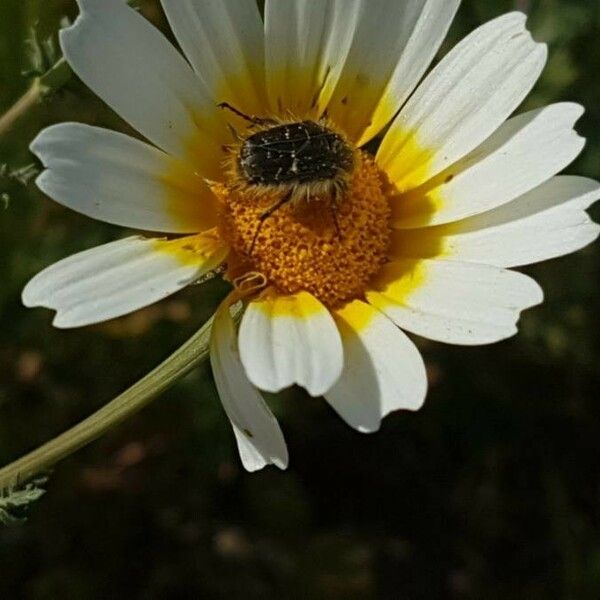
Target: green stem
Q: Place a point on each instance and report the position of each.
(56, 77)
(181, 362)
(48, 83)
(41, 87)
(21, 107)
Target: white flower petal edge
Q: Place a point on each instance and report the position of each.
(383, 370)
(115, 279)
(523, 153)
(306, 44)
(117, 179)
(470, 93)
(393, 45)
(287, 340)
(545, 223)
(257, 432)
(454, 302)
(140, 75)
(548, 222)
(224, 42)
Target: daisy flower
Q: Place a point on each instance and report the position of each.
(347, 196)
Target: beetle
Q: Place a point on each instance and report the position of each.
(298, 159)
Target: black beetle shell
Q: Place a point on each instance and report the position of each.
(294, 153)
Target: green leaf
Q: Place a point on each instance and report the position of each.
(15, 500)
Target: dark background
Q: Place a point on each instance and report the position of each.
(490, 492)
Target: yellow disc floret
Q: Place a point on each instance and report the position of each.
(328, 247)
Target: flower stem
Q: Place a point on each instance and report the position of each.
(41, 87)
(22, 106)
(181, 362)
(44, 85)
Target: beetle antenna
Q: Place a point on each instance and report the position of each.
(249, 118)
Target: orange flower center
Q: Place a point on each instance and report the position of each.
(330, 249)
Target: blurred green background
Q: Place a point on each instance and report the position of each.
(491, 491)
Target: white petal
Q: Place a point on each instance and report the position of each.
(394, 45)
(454, 302)
(117, 278)
(118, 179)
(287, 340)
(463, 101)
(306, 44)
(257, 433)
(547, 222)
(383, 370)
(224, 42)
(522, 154)
(138, 73)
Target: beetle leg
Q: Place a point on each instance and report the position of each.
(333, 207)
(267, 213)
